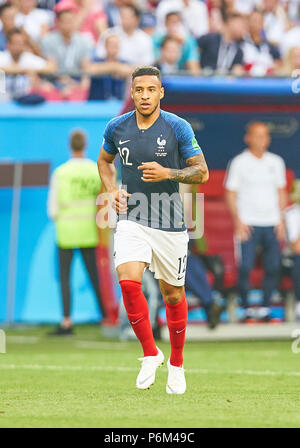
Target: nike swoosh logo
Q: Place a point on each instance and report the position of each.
(180, 331)
(133, 323)
(122, 143)
(172, 390)
(146, 379)
(179, 278)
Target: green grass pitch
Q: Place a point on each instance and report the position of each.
(89, 381)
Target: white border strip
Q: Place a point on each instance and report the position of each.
(132, 369)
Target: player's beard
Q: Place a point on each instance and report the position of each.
(147, 114)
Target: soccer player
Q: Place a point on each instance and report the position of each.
(151, 144)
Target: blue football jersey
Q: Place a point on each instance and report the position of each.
(169, 141)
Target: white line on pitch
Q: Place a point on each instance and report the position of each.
(23, 339)
(99, 345)
(133, 369)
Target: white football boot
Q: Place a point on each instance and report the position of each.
(146, 377)
(176, 381)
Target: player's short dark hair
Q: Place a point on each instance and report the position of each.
(145, 70)
(172, 13)
(78, 141)
(4, 7)
(59, 14)
(257, 11)
(232, 16)
(12, 32)
(134, 9)
(168, 39)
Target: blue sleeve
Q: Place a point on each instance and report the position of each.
(108, 143)
(187, 142)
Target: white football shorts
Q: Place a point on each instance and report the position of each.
(164, 252)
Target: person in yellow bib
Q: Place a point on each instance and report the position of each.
(74, 187)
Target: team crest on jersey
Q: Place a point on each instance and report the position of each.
(161, 146)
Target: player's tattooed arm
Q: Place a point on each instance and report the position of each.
(195, 173)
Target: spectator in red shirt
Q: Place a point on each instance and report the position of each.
(90, 17)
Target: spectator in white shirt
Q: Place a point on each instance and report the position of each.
(246, 6)
(292, 8)
(256, 196)
(21, 67)
(260, 57)
(290, 40)
(275, 21)
(136, 45)
(194, 14)
(36, 22)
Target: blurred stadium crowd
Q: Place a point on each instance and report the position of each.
(86, 49)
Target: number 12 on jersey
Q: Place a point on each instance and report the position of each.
(124, 154)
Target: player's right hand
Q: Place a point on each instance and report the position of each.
(119, 201)
(243, 231)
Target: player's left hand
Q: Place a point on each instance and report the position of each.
(280, 231)
(153, 172)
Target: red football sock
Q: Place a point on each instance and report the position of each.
(177, 320)
(138, 314)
